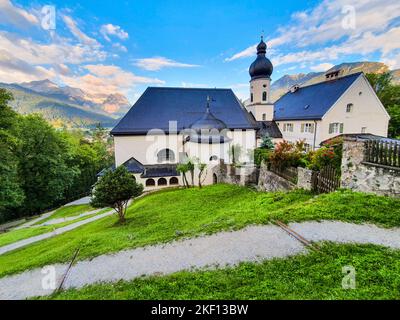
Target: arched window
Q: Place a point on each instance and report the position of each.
(165, 155)
(264, 96)
(215, 179)
(162, 182)
(173, 181)
(213, 158)
(150, 183)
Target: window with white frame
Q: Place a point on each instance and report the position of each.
(349, 108)
(307, 127)
(336, 127)
(288, 127)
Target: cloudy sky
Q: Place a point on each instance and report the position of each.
(125, 46)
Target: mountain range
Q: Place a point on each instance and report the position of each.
(282, 85)
(64, 105)
(72, 107)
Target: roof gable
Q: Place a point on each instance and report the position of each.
(159, 105)
(312, 102)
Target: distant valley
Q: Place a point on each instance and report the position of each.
(67, 106)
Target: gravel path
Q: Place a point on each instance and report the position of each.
(33, 221)
(84, 200)
(67, 219)
(25, 242)
(253, 243)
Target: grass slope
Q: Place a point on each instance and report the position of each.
(21, 234)
(173, 214)
(317, 275)
(68, 211)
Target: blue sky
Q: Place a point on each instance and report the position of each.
(125, 46)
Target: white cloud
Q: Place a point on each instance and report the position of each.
(111, 30)
(81, 36)
(10, 14)
(107, 79)
(248, 52)
(119, 47)
(157, 63)
(61, 50)
(322, 26)
(322, 67)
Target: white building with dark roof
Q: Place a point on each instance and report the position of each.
(166, 126)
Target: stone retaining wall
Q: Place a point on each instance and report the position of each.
(244, 176)
(270, 181)
(360, 176)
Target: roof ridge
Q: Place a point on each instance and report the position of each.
(185, 88)
(323, 82)
(332, 80)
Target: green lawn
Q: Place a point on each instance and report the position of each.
(173, 214)
(317, 275)
(20, 234)
(68, 211)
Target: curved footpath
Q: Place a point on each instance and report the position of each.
(72, 226)
(254, 243)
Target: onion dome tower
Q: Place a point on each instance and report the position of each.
(260, 85)
(262, 67)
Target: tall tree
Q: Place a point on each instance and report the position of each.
(43, 156)
(389, 94)
(11, 195)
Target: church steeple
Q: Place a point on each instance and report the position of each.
(262, 66)
(260, 85)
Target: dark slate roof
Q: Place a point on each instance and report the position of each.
(269, 128)
(147, 171)
(313, 101)
(159, 105)
(162, 170)
(134, 166)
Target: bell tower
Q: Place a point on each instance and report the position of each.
(260, 85)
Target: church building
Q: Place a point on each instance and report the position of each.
(167, 126)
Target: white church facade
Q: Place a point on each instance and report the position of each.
(167, 126)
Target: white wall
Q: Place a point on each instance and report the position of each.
(145, 149)
(257, 88)
(258, 107)
(367, 112)
(298, 135)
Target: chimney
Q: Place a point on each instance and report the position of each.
(332, 75)
(294, 88)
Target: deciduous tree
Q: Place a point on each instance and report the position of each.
(115, 189)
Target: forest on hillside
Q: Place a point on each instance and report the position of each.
(42, 167)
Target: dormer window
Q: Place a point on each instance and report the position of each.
(349, 108)
(264, 96)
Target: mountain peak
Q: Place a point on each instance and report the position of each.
(281, 86)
